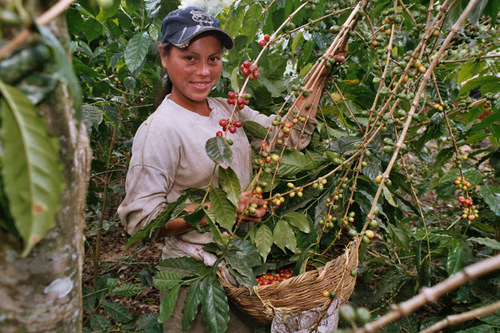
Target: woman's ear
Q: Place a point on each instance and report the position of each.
(163, 55)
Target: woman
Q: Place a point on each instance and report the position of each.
(168, 154)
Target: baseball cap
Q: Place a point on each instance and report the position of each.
(180, 26)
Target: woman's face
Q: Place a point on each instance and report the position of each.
(194, 71)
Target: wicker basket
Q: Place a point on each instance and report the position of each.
(299, 293)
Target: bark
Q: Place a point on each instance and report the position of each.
(42, 292)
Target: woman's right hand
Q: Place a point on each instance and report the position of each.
(247, 201)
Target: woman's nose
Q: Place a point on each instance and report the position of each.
(204, 68)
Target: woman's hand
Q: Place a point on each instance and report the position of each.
(246, 202)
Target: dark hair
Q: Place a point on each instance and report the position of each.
(167, 86)
(165, 51)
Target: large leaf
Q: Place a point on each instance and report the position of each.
(191, 303)
(219, 151)
(284, 237)
(489, 242)
(491, 195)
(117, 311)
(136, 50)
(298, 220)
(455, 256)
(183, 266)
(167, 304)
(293, 162)
(228, 181)
(214, 305)
(264, 240)
(225, 212)
(31, 168)
(166, 280)
(127, 289)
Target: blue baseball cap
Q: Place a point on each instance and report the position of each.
(180, 26)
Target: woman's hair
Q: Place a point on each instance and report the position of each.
(167, 87)
(165, 51)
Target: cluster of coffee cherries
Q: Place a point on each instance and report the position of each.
(228, 125)
(296, 191)
(265, 40)
(470, 211)
(274, 277)
(249, 70)
(461, 183)
(241, 100)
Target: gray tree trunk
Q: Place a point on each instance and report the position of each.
(42, 292)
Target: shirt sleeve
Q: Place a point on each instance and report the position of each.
(149, 178)
(145, 199)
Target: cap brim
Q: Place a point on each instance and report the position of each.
(179, 40)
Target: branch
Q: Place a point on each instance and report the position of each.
(460, 318)
(431, 294)
(45, 18)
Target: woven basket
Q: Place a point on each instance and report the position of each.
(299, 293)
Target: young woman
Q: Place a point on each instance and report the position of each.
(168, 153)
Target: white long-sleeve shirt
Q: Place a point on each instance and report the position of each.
(168, 157)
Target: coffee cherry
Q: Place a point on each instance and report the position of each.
(267, 37)
(232, 129)
(223, 122)
(262, 42)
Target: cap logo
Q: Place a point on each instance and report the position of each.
(201, 17)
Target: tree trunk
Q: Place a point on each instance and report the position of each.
(42, 292)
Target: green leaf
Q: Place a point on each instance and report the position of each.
(127, 289)
(491, 196)
(31, 169)
(489, 242)
(293, 162)
(99, 323)
(488, 83)
(254, 129)
(491, 319)
(298, 220)
(167, 304)
(234, 261)
(214, 305)
(284, 236)
(454, 263)
(474, 177)
(191, 303)
(264, 241)
(228, 181)
(165, 281)
(92, 29)
(136, 50)
(225, 212)
(117, 311)
(219, 151)
(183, 266)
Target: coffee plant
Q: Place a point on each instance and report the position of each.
(404, 158)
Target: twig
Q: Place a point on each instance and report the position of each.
(460, 318)
(431, 294)
(45, 18)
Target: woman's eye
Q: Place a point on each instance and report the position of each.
(189, 58)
